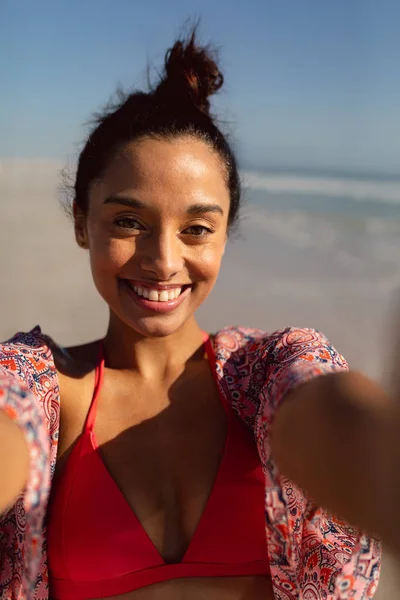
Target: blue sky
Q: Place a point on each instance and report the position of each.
(309, 83)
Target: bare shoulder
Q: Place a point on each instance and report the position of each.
(76, 367)
(74, 362)
(76, 373)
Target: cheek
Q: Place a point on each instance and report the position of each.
(108, 256)
(208, 264)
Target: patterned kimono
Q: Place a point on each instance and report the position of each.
(313, 555)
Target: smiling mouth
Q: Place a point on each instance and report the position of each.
(156, 295)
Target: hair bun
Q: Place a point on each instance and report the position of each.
(191, 75)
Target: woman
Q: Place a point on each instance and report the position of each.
(167, 450)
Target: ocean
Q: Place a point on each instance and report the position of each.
(321, 252)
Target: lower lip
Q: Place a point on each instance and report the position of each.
(157, 307)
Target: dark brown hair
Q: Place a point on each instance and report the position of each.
(178, 105)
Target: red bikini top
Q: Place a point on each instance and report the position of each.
(97, 547)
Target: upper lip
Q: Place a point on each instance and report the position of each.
(158, 286)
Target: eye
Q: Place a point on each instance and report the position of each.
(198, 230)
(128, 223)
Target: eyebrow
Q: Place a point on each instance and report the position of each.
(130, 202)
(194, 209)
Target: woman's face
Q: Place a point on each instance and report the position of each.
(156, 230)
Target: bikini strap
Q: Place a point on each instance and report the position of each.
(208, 347)
(212, 361)
(98, 384)
(99, 377)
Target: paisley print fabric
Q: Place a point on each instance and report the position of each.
(313, 555)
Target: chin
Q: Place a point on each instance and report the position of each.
(158, 327)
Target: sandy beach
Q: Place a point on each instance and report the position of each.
(337, 273)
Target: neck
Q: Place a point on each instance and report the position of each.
(152, 357)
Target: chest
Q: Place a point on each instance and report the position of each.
(163, 449)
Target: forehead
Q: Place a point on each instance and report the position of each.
(182, 170)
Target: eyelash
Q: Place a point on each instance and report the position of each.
(205, 230)
(130, 220)
(118, 222)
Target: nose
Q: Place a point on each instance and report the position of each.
(162, 255)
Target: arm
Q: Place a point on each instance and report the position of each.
(24, 444)
(14, 461)
(29, 400)
(337, 436)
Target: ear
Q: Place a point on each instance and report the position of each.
(80, 226)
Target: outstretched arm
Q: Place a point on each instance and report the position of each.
(14, 460)
(338, 437)
(24, 444)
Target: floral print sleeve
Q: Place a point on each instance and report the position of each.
(292, 357)
(20, 567)
(312, 553)
(29, 395)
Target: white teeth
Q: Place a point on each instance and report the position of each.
(155, 295)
